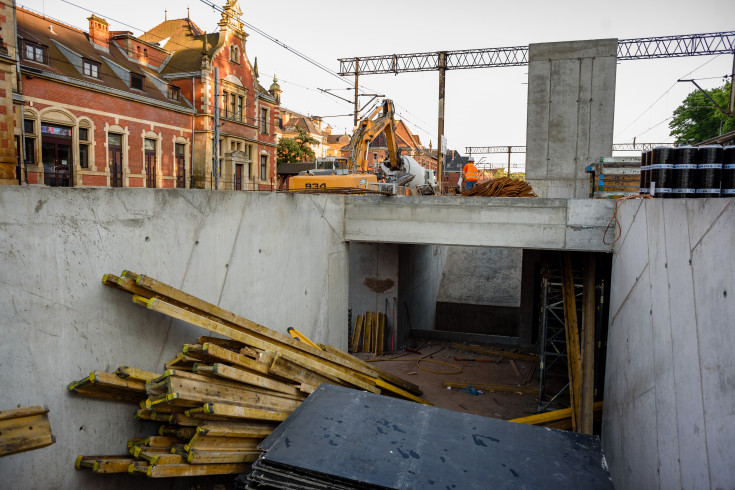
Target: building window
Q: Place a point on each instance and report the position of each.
(233, 106)
(264, 120)
(234, 54)
(83, 147)
(29, 150)
(34, 52)
(180, 165)
(145, 53)
(90, 68)
(114, 148)
(263, 167)
(173, 92)
(240, 115)
(136, 81)
(150, 163)
(224, 103)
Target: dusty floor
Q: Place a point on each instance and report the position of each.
(497, 371)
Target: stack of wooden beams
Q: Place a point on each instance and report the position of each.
(24, 429)
(368, 334)
(219, 397)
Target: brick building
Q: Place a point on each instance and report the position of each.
(8, 97)
(106, 108)
(313, 125)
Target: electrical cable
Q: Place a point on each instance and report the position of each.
(424, 359)
(615, 216)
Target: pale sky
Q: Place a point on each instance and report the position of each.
(484, 107)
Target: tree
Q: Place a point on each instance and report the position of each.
(296, 149)
(698, 119)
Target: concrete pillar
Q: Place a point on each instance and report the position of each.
(571, 106)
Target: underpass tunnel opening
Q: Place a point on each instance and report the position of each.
(503, 296)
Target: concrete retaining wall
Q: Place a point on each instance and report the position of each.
(59, 322)
(669, 418)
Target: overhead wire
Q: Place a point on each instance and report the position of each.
(665, 93)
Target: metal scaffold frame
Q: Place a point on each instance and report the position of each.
(552, 343)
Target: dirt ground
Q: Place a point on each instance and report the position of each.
(495, 371)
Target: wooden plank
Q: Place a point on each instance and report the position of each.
(175, 431)
(25, 432)
(229, 344)
(222, 443)
(300, 337)
(87, 462)
(137, 451)
(196, 391)
(240, 323)
(242, 376)
(109, 466)
(385, 375)
(380, 335)
(356, 331)
(298, 374)
(571, 330)
(108, 386)
(546, 417)
(221, 457)
(399, 392)
(219, 328)
(138, 467)
(162, 441)
(127, 372)
(236, 412)
(225, 382)
(15, 413)
(173, 470)
(367, 337)
(491, 387)
(181, 362)
(587, 346)
(236, 429)
(212, 353)
(495, 352)
(167, 458)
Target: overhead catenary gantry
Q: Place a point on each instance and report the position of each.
(713, 43)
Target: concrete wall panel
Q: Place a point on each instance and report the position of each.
(59, 322)
(683, 249)
(715, 310)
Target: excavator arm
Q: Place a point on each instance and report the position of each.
(382, 118)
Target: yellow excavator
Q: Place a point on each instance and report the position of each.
(396, 169)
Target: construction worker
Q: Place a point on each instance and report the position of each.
(469, 174)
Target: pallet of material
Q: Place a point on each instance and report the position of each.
(614, 177)
(24, 429)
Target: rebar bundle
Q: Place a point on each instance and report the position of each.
(502, 187)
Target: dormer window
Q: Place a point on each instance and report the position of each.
(136, 81)
(34, 52)
(234, 54)
(173, 92)
(91, 69)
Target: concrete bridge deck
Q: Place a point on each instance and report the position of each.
(552, 224)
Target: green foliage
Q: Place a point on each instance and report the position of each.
(697, 119)
(296, 149)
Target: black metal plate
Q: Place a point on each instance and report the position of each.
(374, 440)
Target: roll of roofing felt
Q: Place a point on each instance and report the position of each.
(709, 168)
(728, 172)
(685, 172)
(661, 168)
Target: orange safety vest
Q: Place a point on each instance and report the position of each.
(470, 172)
